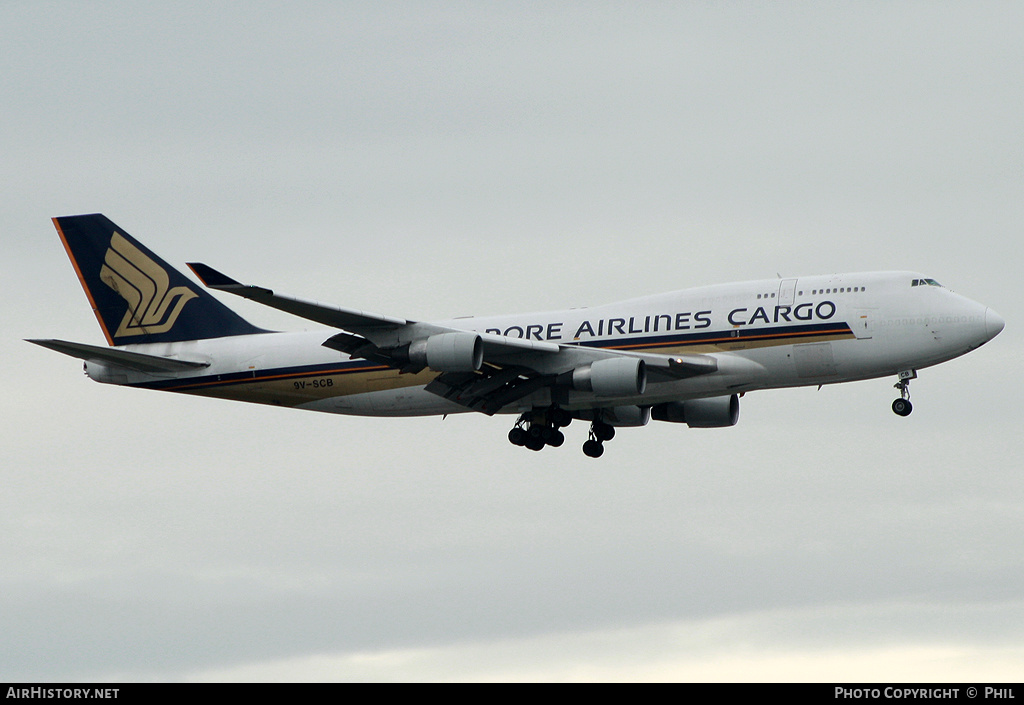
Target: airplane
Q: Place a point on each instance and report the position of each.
(683, 357)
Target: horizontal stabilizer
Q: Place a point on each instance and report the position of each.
(120, 358)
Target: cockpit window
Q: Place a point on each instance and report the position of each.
(925, 282)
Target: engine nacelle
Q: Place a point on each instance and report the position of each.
(448, 352)
(612, 377)
(716, 412)
(627, 415)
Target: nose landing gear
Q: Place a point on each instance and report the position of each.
(902, 406)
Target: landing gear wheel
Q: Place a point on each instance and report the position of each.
(537, 429)
(534, 443)
(603, 431)
(593, 449)
(559, 418)
(902, 407)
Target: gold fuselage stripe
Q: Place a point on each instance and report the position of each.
(294, 386)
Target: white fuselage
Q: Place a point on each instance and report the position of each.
(763, 334)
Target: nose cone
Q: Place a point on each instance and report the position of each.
(993, 323)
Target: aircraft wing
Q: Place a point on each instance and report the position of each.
(348, 319)
(379, 330)
(505, 369)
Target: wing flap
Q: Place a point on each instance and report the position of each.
(488, 392)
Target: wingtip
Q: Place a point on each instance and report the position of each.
(210, 277)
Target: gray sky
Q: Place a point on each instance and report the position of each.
(437, 159)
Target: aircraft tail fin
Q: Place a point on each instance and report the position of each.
(136, 296)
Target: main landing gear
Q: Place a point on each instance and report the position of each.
(539, 428)
(599, 433)
(542, 427)
(902, 406)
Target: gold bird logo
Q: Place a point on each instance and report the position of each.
(153, 306)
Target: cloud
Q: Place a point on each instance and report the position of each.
(750, 648)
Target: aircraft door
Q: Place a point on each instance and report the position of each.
(863, 323)
(787, 292)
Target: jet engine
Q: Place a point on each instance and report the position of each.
(627, 415)
(612, 377)
(716, 412)
(448, 352)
